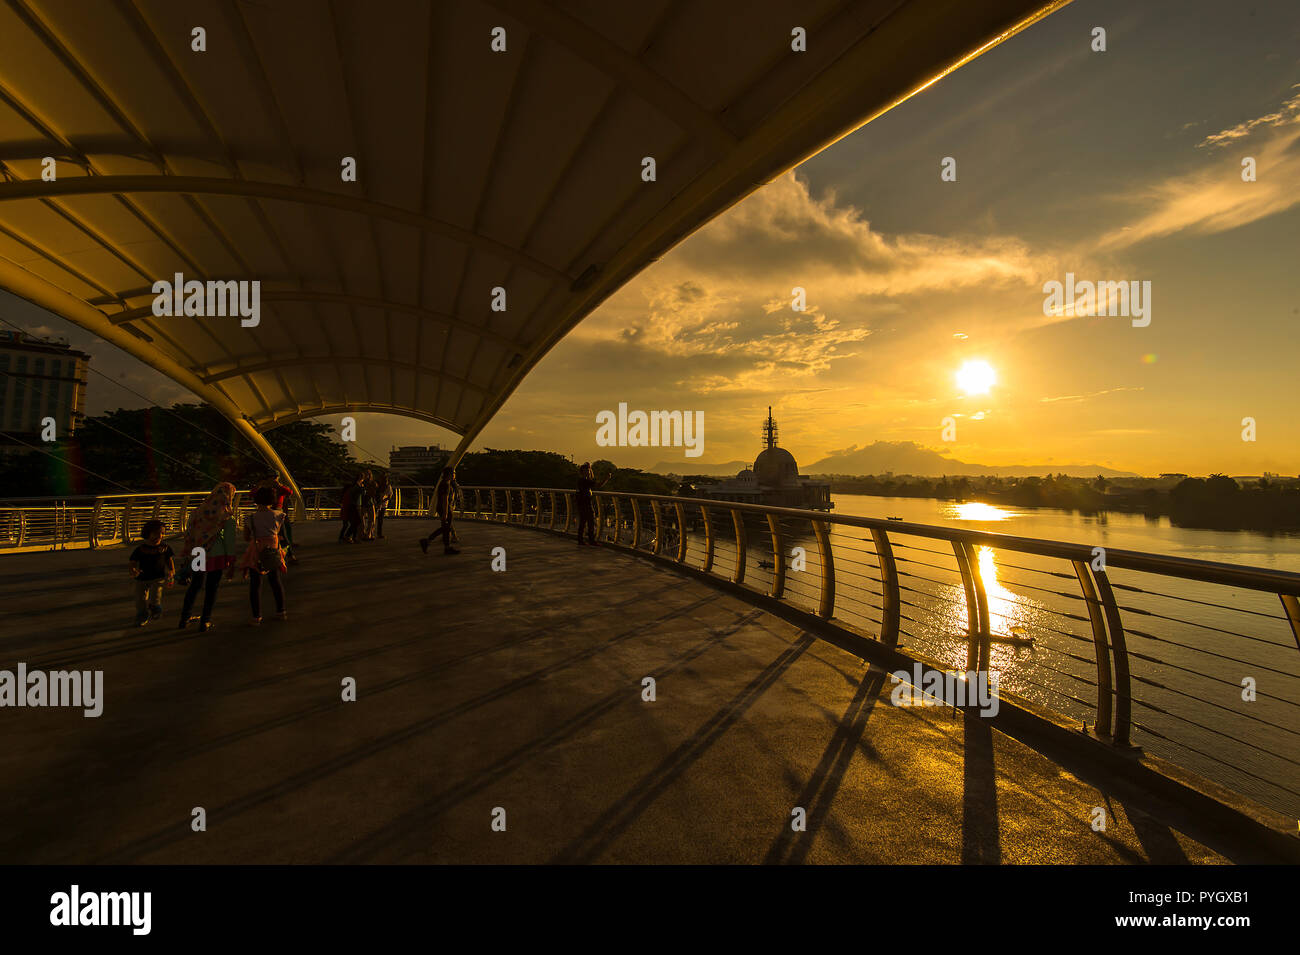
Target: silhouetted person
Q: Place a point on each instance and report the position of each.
(586, 502)
(350, 510)
(264, 558)
(444, 497)
(283, 498)
(383, 495)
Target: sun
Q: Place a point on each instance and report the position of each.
(976, 377)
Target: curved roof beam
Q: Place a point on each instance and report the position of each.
(196, 185)
(27, 285)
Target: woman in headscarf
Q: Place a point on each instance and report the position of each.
(212, 529)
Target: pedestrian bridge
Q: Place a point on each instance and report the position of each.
(524, 690)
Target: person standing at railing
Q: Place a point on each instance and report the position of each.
(587, 487)
(383, 495)
(264, 558)
(212, 528)
(444, 499)
(152, 564)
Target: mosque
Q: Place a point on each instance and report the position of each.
(774, 480)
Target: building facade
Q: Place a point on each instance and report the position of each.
(40, 378)
(411, 459)
(774, 480)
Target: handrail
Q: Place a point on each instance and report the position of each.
(1121, 679)
(1215, 572)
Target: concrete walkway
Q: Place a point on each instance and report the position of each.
(520, 690)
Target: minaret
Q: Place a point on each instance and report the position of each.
(769, 430)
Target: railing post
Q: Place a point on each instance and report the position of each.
(316, 504)
(891, 608)
(22, 525)
(778, 557)
(977, 648)
(708, 539)
(1291, 607)
(1119, 647)
(739, 524)
(681, 532)
(126, 519)
(551, 495)
(568, 510)
(1101, 648)
(636, 523)
(826, 605)
(618, 522)
(659, 527)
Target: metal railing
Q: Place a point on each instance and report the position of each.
(1194, 660)
(1197, 661)
(102, 520)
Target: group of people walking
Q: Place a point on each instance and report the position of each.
(362, 507)
(214, 548)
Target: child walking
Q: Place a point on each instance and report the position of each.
(264, 556)
(152, 564)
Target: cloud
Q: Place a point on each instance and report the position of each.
(1091, 394)
(720, 304)
(1288, 115)
(1213, 198)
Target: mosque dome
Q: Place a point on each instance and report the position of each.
(775, 467)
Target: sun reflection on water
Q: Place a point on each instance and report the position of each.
(977, 511)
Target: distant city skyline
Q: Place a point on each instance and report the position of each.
(925, 298)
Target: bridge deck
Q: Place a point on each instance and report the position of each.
(519, 690)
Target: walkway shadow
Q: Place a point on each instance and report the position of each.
(819, 792)
(399, 830)
(152, 842)
(980, 829)
(1158, 841)
(617, 818)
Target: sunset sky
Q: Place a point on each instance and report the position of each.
(1123, 165)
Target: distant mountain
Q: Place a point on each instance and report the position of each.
(908, 457)
(729, 469)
